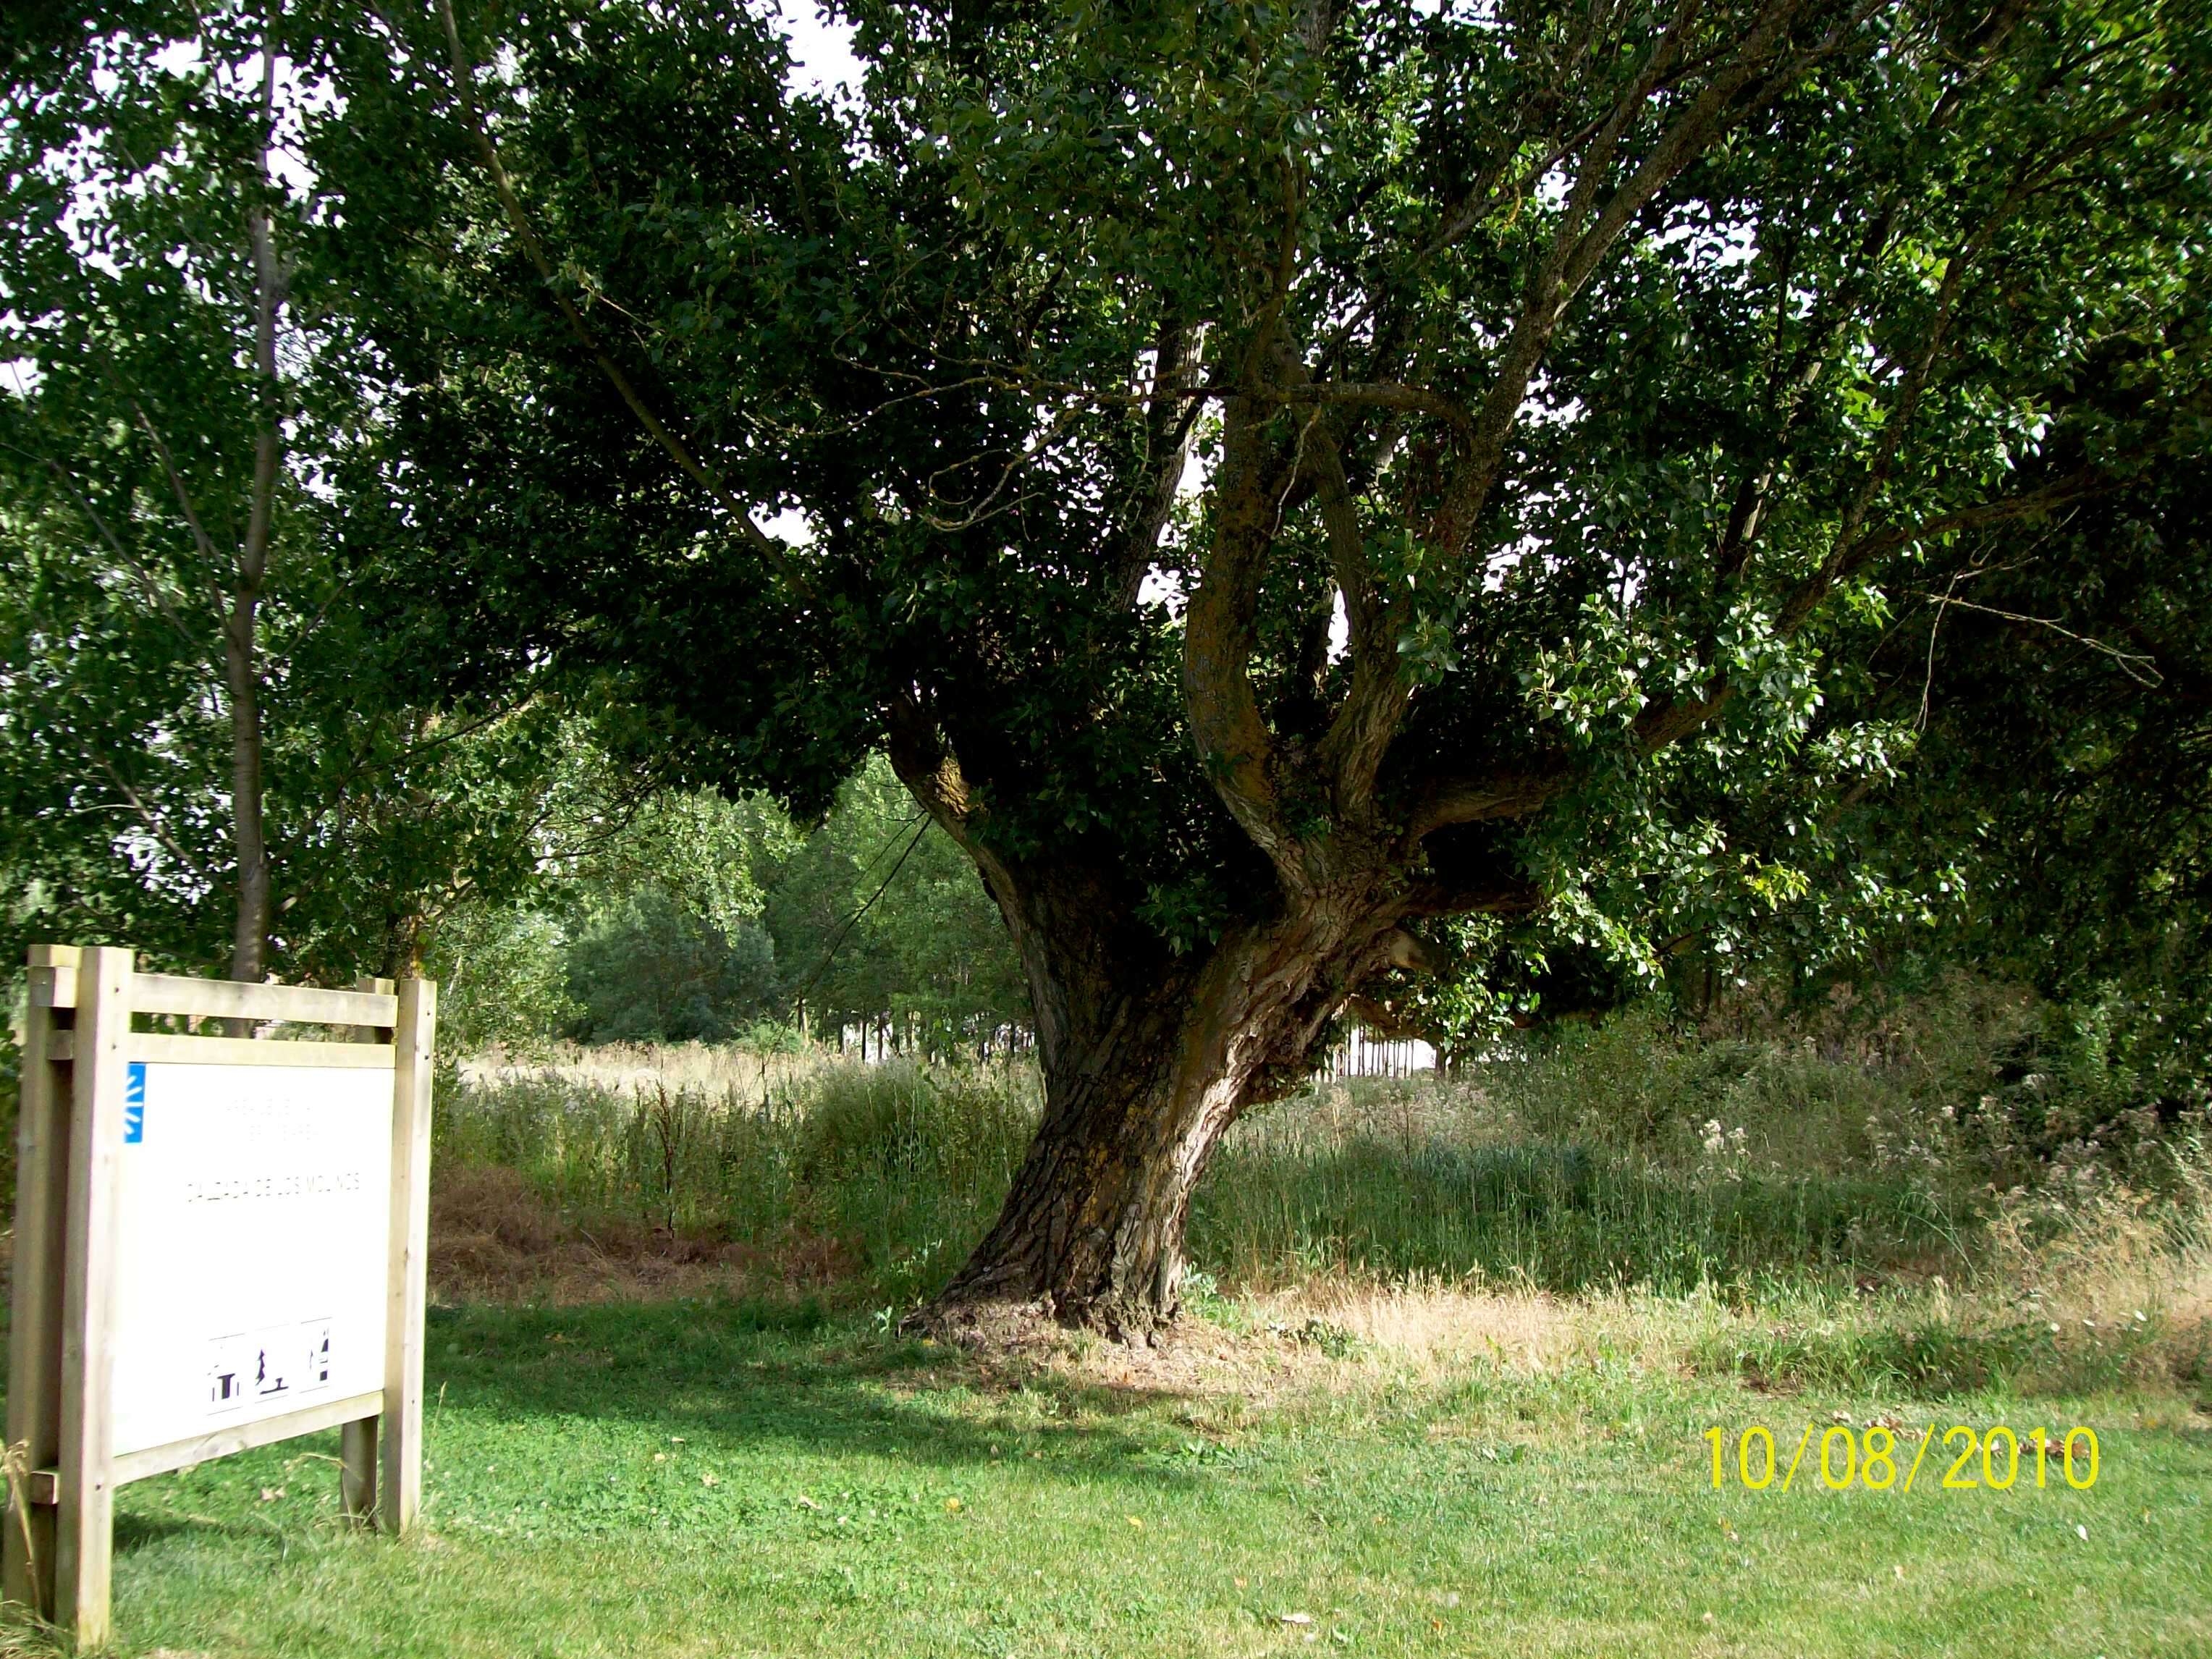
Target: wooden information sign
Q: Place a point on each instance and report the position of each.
(219, 1244)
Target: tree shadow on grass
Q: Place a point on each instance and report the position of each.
(138, 1528)
(572, 1406)
(762, 1373)
(152, 1519)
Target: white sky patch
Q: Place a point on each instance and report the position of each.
(791, 526)
(1197, 472)
(20, 375)
(1505, 560)
(821, 60)
(1537, 412)
(1339, 629)
(178, 58)
(1715, 247)
(1163, 587)
(1197, 469)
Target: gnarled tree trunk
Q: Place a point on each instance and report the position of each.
(1093, 1226)
(1146, 1064)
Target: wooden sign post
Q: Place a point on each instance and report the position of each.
(219, 1243)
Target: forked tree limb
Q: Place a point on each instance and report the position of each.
(1359, 736)
(1233, 737)
(1234, 744)
(1586, 233)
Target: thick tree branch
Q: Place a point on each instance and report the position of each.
(1498, 896)
(1422, 400)
(1234, 746)
(1870, 545)
(1170, 419)
(1447, 800)
(1359, 736)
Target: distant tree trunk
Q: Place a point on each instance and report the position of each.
(403, 952)
(249, 948)
(249, 945)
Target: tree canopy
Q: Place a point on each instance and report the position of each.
(1279, 477)
(205, 728)
(1302, 493)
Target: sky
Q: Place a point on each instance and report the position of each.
(820, 49)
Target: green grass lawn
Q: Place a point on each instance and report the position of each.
(695, 1478)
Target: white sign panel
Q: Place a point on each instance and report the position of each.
(250, 1279)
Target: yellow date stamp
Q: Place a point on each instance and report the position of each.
(1994, 1459)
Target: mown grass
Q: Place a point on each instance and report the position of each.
(733, 1480)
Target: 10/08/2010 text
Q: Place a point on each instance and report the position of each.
(1870, 1458)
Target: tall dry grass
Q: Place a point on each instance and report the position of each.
(881, 1176)
(1788, 1209)
(2112, 1293)
(719, 1070)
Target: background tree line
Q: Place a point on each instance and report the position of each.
(692, 918)
(224, 739)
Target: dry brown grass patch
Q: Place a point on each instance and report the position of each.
(1433, 1325)
(494, 1239)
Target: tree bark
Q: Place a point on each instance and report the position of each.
(1140, 1085)
(249, 948)
(249, 945)
(1091, 1230)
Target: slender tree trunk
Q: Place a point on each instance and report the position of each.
(249, 948)
(249, 945)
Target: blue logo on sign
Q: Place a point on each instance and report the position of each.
(134, 1104)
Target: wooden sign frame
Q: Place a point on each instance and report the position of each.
(57, 1537)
